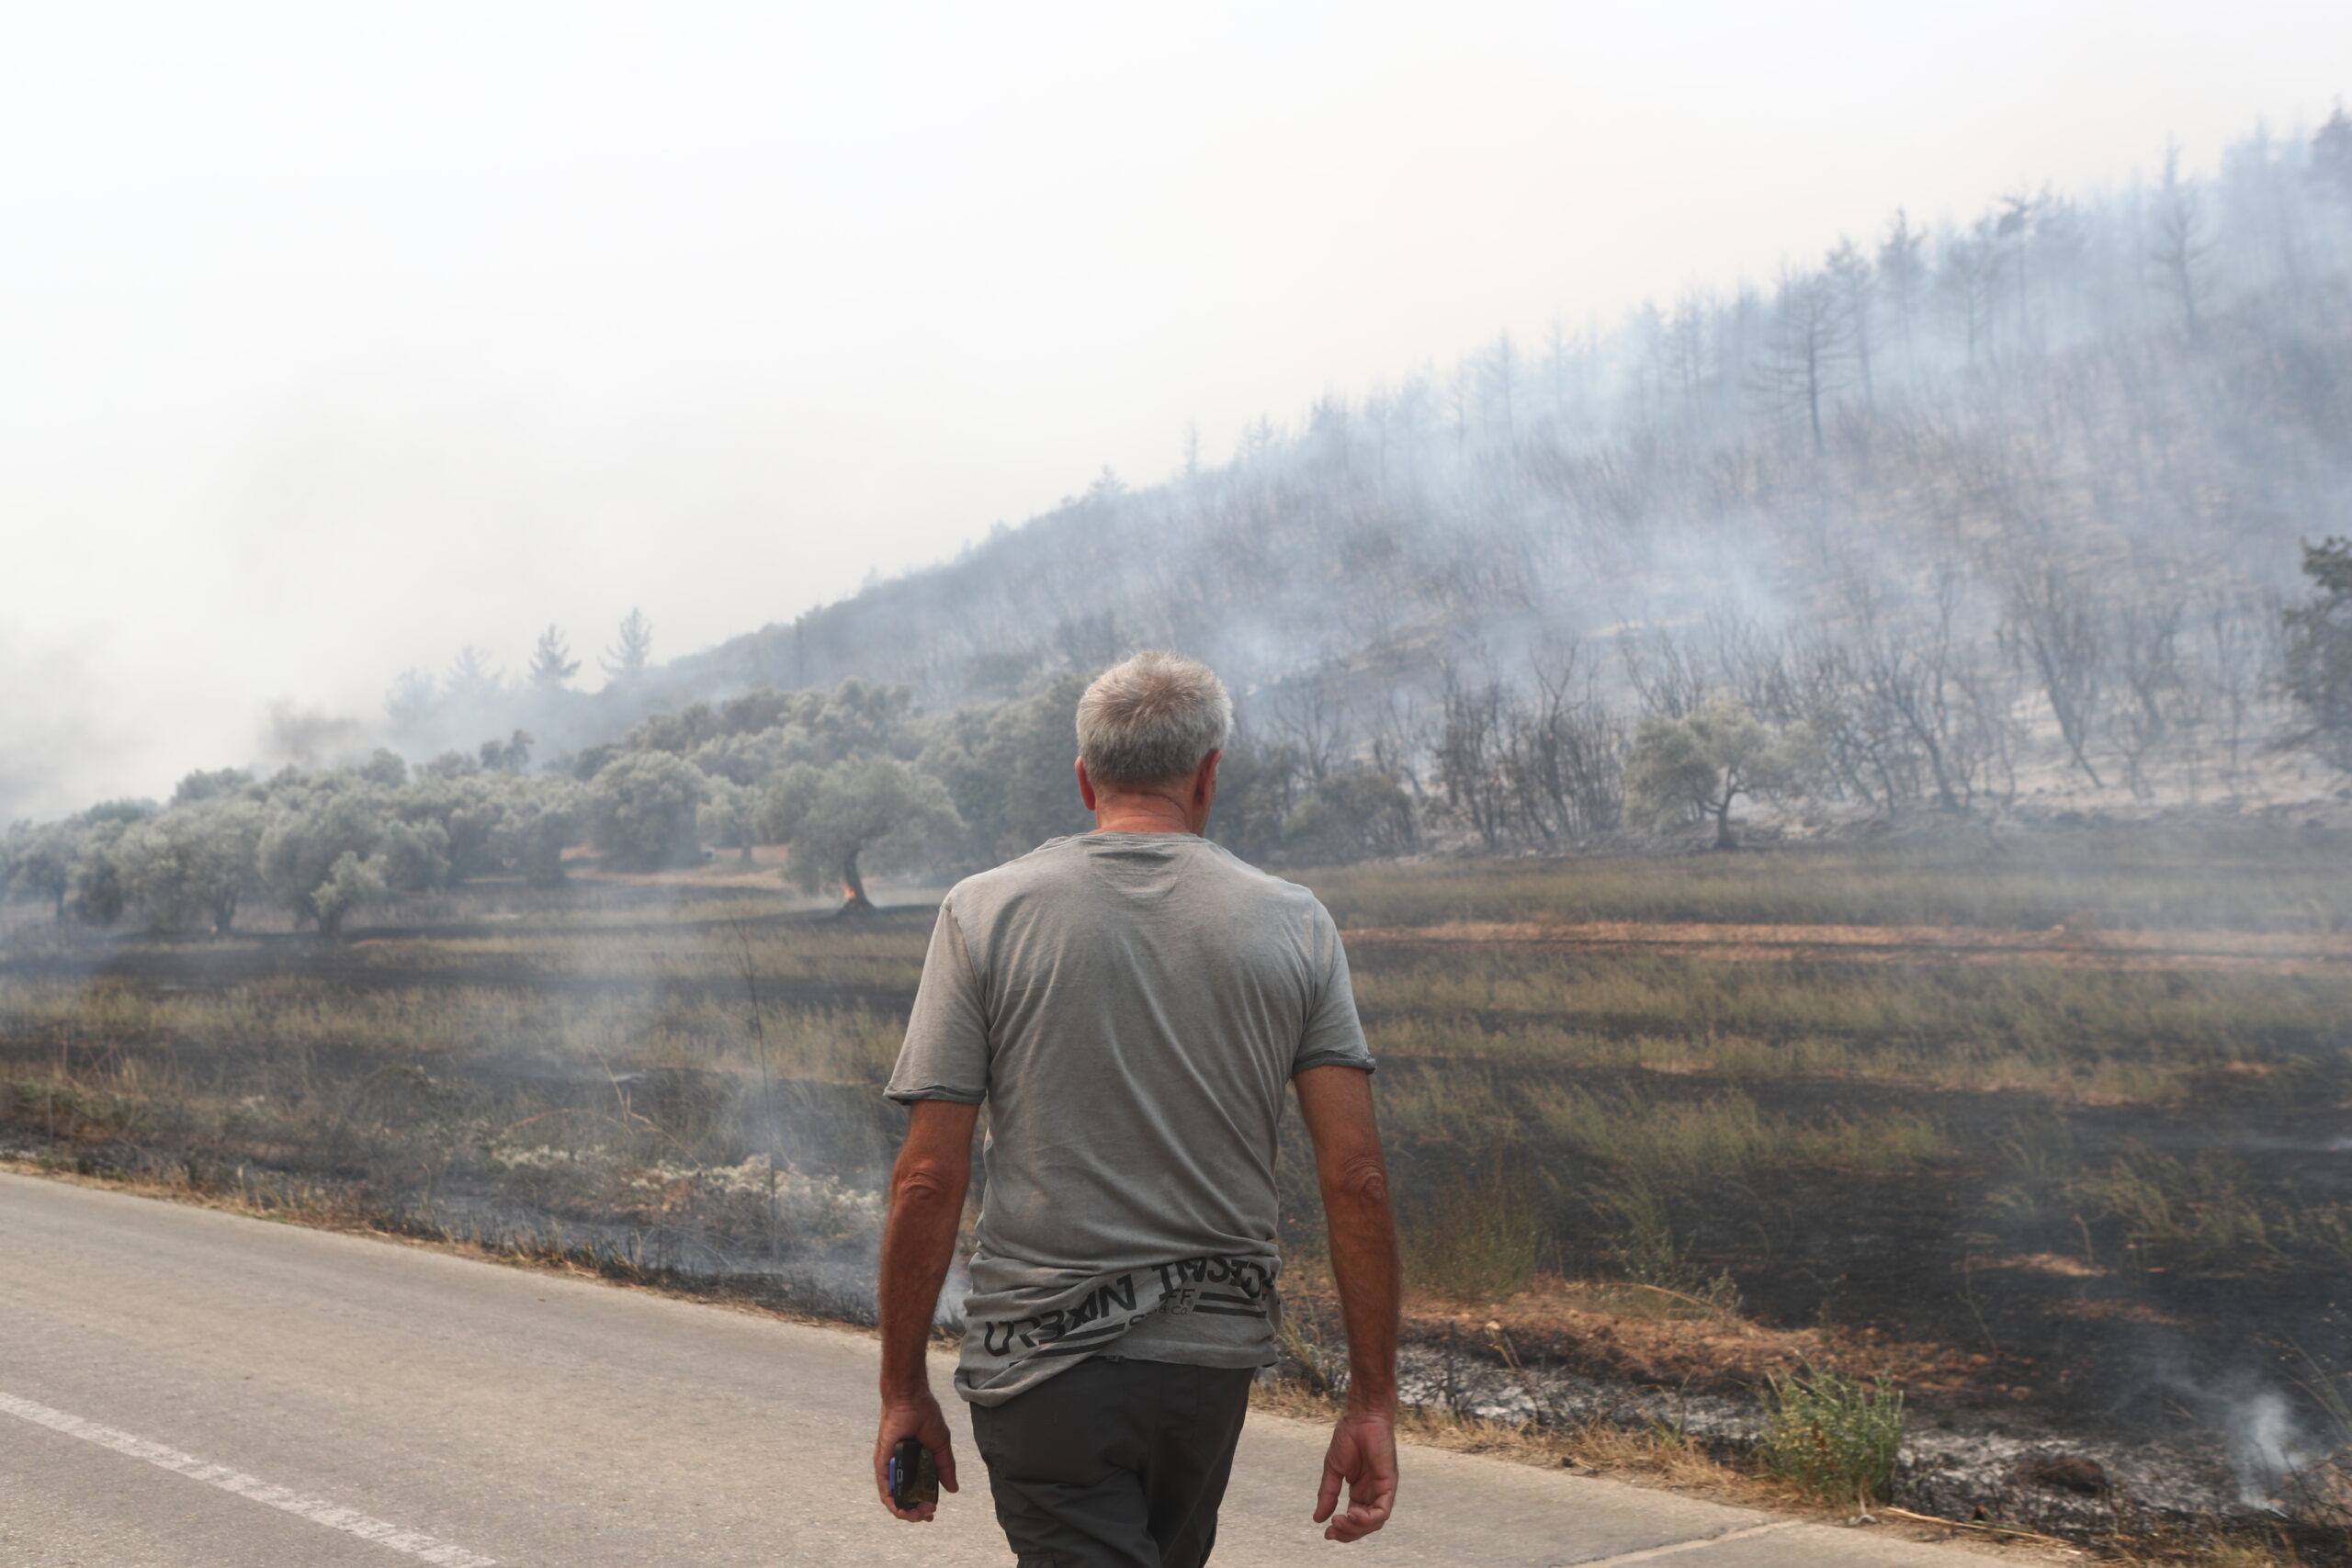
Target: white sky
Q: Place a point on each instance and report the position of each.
(332, 337)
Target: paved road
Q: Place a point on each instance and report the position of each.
(184, 1388)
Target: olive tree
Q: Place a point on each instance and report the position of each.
(94, 891)
(334, 846)
(37, 862)
(193, 864)
(351, 882)
(467, 809)
(641, 807)
(541, 819)
(96, 895)
(834, 816)
(1006, 767)
(1695, 767)
(731, 817)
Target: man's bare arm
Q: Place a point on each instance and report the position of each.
(1336, 1103)
(927, 1188)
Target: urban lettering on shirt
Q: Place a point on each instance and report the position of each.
(1222, 1287)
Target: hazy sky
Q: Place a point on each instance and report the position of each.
(333, 337)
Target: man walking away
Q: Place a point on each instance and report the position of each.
(1129, 1004)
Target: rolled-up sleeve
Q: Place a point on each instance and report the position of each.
(1334, 1035)
(946, 1052)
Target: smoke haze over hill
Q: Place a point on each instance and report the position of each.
(1967, 503)
(337, 347)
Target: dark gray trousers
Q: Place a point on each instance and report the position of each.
(1114, 1463)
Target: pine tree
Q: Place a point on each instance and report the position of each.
(626, 659)
(552, 666)
(2332, 155)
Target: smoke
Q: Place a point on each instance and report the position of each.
(64, 739)
(2271, 1447)
(2277, 1445)
(1934, 487)
(310, 736)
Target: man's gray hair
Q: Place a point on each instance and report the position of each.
(1151, 718)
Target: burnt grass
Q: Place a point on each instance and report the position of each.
(164, 964)
(2078, 1259)
(1922, 1256)
(2150, 1329)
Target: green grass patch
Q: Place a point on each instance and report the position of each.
(1835, 1436)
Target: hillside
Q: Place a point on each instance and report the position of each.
(2067, 450)
(2010, 517)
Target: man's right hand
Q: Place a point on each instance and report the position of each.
(927, 1188)
(1362, 1456)
(919, 1418)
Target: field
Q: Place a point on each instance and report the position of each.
(2054, 1130)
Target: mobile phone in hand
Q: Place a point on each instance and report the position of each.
(914, 1478)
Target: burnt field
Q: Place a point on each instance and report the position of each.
(2052, 1131)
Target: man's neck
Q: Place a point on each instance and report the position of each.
(1141, 814)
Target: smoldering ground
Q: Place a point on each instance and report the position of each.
(2074, 1210)
(664, 1084)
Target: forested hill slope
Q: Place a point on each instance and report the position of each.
(2024, 514)
(2059, 431)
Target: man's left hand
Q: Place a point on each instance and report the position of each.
(1363, 1457)
(920, 1419)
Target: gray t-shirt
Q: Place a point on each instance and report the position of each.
(1130, 1007)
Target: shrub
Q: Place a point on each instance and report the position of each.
(1832, 1435)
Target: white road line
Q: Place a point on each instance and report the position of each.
(1675, 1548)
(416, 1543)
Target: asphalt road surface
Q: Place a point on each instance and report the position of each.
(185, 1389)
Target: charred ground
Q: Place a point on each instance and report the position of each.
(1663, 1127)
